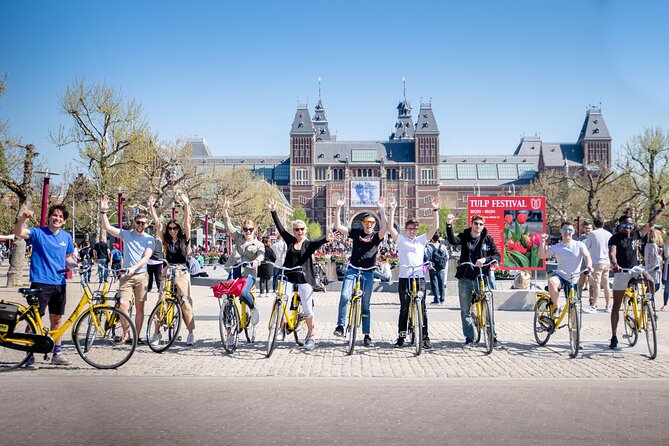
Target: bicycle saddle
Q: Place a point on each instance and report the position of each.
(30, 291)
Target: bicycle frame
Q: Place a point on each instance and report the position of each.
(638, 290)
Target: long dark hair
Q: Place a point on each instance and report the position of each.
(167, 237)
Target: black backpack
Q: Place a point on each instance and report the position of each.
(439, 257)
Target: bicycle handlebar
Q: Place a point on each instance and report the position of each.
(485, 264)
(362, 269)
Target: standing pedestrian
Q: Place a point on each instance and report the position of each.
(102, 256)
(438, 253)
(266, 269)
(598, 246)
(155, 266)
(117, 258)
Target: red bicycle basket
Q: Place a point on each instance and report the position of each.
(226, 287)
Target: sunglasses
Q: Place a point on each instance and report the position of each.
(247, 229)
(369, 222)
(627, 225)
(172, 228)
(567, 230)
(299, 229)
(140, 222)
(478, 223)
(413, 228)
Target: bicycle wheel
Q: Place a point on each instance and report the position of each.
(488, 329)
(574, 331)
(543, 322)
(104, 337)
(10, 358)
(651, 335)
(352, 325)
(300, 331)
(631, 328)
(274, 326)
(417, 325)
(163, 325)
(228, 325)
(250, 330)
(476, 325)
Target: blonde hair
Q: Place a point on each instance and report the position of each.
(297, 222)
(248, 221)
(655, 236)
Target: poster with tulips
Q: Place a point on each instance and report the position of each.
(516, 224)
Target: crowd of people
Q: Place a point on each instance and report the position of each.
(370, 248)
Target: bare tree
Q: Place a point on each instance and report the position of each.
(645, 158)
(105, 125)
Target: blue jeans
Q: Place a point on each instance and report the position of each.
(382, 277)
(437, 281)
(246, 292)
(103, 270)
(465, 288)
(666, 290)
(367, 284)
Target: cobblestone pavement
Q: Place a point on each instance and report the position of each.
(518, 357)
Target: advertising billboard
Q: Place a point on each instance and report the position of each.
(364, 193)
(516, 224)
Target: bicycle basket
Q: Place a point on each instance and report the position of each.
(8, 316)
(233, 287)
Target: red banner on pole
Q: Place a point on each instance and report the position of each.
(516, 224)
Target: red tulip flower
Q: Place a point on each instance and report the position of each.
(508, 218)
(521, 218)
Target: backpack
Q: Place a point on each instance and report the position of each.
(85, 254)
(439, 257)
(116, 255)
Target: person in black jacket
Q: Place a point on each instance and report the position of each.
(478, 247)
(299, 253)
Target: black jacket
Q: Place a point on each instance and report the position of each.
(484, 248)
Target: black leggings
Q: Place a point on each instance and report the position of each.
(264, 284)
(155, 271)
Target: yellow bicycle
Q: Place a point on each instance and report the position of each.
(545, 324)
(354, 318)
(482, 311)
(104, 336)
(416, 308)
(162, 328)
(234, 317)
(285, 319)
(639, 311)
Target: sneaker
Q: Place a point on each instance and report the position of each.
(310, 344)
(280, 336)
(30, 364)
(255, 316)
(155, 339)
(435, 302)
(557, 312)
(190, 340)
(468, 344)
(368, 341)
(614, 342)
(60, 359)
(608, 309)
(377, 280)
(495, 342)
(589, 309)
(426, 343)
(400, 341)
(339, 331)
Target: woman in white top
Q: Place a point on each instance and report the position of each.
(652, 256)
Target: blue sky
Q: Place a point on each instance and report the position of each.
(234, 71)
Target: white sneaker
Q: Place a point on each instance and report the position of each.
(589, 309)
(155, 339)
(255, 316)
(557, 313)
(60, 359)
(310, 344)
(280, 336)
(190, 340)
(608, 309)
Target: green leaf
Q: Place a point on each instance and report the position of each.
(520, 259)
(534, 257)
(518, 233)
(508, 260)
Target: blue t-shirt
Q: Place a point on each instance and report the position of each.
(49, 252)
(134, 246)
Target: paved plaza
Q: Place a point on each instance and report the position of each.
(518, 356)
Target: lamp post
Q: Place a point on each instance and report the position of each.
(206, 233)
(120, 217)
(45, 194)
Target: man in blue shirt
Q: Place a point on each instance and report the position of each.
(52, 248)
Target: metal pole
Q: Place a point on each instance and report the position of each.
(45, 200)
(74, 235)
(120, 218)
(206, 233)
